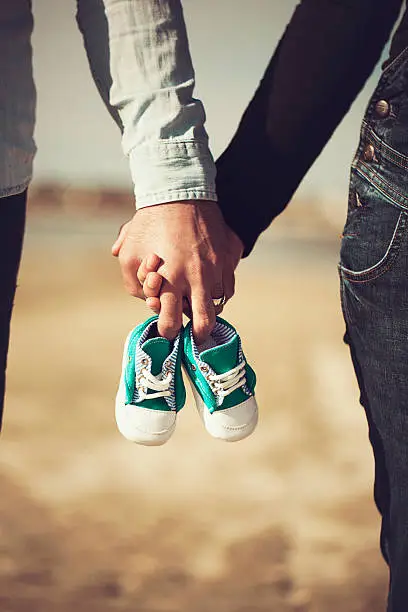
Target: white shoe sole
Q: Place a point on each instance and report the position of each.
(141, 425)
(231, 424)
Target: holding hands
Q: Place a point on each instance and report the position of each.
(180, 257)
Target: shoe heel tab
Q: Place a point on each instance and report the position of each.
(225, 322)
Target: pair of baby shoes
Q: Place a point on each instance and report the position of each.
(151, 390)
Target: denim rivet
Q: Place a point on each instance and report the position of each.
(382, 108)
(369, 153)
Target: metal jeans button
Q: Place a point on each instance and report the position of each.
(369, 153)
(382, 108)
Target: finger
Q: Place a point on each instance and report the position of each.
(203, 315)
(154, 304)
(218, 310)
(217, 293)
(117, 245)
(152, 285)
(129, 266)
(150, 263)
(171, 312)
(218, 289)
(228, 282)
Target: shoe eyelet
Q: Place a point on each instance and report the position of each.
(193, 367)
(204, 368)
(144, 361)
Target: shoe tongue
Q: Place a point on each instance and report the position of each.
(222, 358)
(158, 349)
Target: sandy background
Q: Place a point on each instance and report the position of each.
(89, 522)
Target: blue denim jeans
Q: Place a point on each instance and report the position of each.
(374, 292)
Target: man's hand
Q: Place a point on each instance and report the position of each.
(197, 258)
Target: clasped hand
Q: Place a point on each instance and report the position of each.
(179, 257)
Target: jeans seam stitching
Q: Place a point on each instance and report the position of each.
(365, 276)
(377, 181)
(385, 149)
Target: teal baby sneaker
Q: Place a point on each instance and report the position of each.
(223, 384)
(151, 389)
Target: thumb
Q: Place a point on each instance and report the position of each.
(117, 245)
(236, 247)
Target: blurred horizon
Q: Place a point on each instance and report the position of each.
(78, 144)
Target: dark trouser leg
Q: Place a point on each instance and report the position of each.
(376, 337)
(374, 291)
(12, 221)
(381, 481)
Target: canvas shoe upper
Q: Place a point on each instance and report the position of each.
(223, 383)
(151, 389)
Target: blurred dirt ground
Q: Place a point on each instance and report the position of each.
(89, 522)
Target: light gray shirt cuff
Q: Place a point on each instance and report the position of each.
(171, 171)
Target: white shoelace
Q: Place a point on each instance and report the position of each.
(227, 383)
(160, 385)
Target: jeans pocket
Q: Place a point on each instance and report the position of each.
(372, 235)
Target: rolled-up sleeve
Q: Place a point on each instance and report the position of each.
(148, 83)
